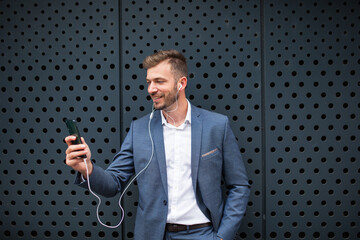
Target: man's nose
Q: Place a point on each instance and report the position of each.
(152, 88)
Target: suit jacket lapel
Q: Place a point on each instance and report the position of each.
(157, 133)
(196, 133)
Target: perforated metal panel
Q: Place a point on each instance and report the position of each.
(312, 95)
(222, 44)
(285, 72)
(58, 59)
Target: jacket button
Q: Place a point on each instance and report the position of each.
(165, 202)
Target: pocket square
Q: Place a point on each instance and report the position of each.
(211, 152)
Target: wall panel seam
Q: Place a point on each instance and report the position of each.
(263, 113)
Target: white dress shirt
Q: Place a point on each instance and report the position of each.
(182, 206)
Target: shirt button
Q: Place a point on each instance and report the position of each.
(164, 202)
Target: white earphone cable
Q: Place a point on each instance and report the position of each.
(128, 185)
(167, 112)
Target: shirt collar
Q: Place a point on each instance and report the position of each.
(187, 118)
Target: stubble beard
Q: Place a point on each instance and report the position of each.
(169, 101)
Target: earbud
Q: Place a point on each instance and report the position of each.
(180, 87)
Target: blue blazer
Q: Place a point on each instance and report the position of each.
(215, 156)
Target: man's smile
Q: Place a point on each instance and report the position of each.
(156, 98)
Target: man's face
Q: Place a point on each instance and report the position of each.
(162, 86)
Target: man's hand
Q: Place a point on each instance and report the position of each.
(73, 153)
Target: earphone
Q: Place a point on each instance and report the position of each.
(125, 189)
(180, 87)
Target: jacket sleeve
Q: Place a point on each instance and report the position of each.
(112, 180)
(235, 177)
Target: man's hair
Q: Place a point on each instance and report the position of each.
(176, 59)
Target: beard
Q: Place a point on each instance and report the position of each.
(168, 101)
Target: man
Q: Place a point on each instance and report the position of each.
(180, 194)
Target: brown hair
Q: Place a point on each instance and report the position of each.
(175, 58)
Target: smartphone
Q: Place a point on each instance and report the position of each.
(74, 131)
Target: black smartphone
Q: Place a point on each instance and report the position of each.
(74, 131)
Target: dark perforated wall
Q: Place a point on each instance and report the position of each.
(222, 45)
(285, 72)
(312, 121)
(58, 59)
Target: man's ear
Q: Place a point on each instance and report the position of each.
(182, 83)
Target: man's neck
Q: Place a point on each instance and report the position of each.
(177, 117)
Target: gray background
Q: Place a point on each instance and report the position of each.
(286, 73)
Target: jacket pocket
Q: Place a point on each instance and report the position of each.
(210, 153)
